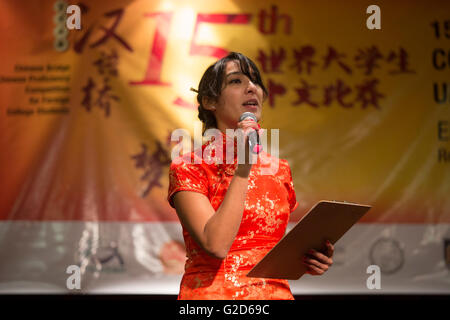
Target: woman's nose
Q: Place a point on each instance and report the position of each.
(251, 87)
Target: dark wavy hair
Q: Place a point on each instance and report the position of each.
(210, 85)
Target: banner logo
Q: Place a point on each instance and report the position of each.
(388, 255)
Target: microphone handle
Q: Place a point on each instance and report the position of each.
(254, 143)
(253, 137)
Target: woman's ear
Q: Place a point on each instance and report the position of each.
(208, 104)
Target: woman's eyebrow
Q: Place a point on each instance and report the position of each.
(235, 72)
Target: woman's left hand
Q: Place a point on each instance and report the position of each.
(317, 263)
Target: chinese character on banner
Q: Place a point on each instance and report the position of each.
(367, 93)
(334, 56)
(106, 67)
(304, 57)
(304, 94)
(272, 62)
(400, 60)
(152, 165)
(368, 59)
(88, 94)
(104, 98)
(337, 92)
(107, 63)
(108, 33)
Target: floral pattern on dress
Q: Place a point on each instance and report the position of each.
(270, 200)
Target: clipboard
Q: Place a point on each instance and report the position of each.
(326, 220)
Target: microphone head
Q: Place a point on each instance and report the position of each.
(248, 115)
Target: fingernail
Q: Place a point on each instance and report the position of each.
(257, 149)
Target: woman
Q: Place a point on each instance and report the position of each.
(231, 214)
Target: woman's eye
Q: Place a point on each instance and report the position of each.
(235, 81)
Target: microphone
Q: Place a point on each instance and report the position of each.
(253, 137)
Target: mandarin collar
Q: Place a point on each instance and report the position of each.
(225, 140)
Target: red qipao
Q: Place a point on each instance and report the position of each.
(270, 200)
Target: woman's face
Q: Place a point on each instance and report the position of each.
(239, 94)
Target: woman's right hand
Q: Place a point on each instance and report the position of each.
(247, 126)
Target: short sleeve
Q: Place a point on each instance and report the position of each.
(186, 177)
(292, 199)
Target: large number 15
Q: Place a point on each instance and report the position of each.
(163, 22)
